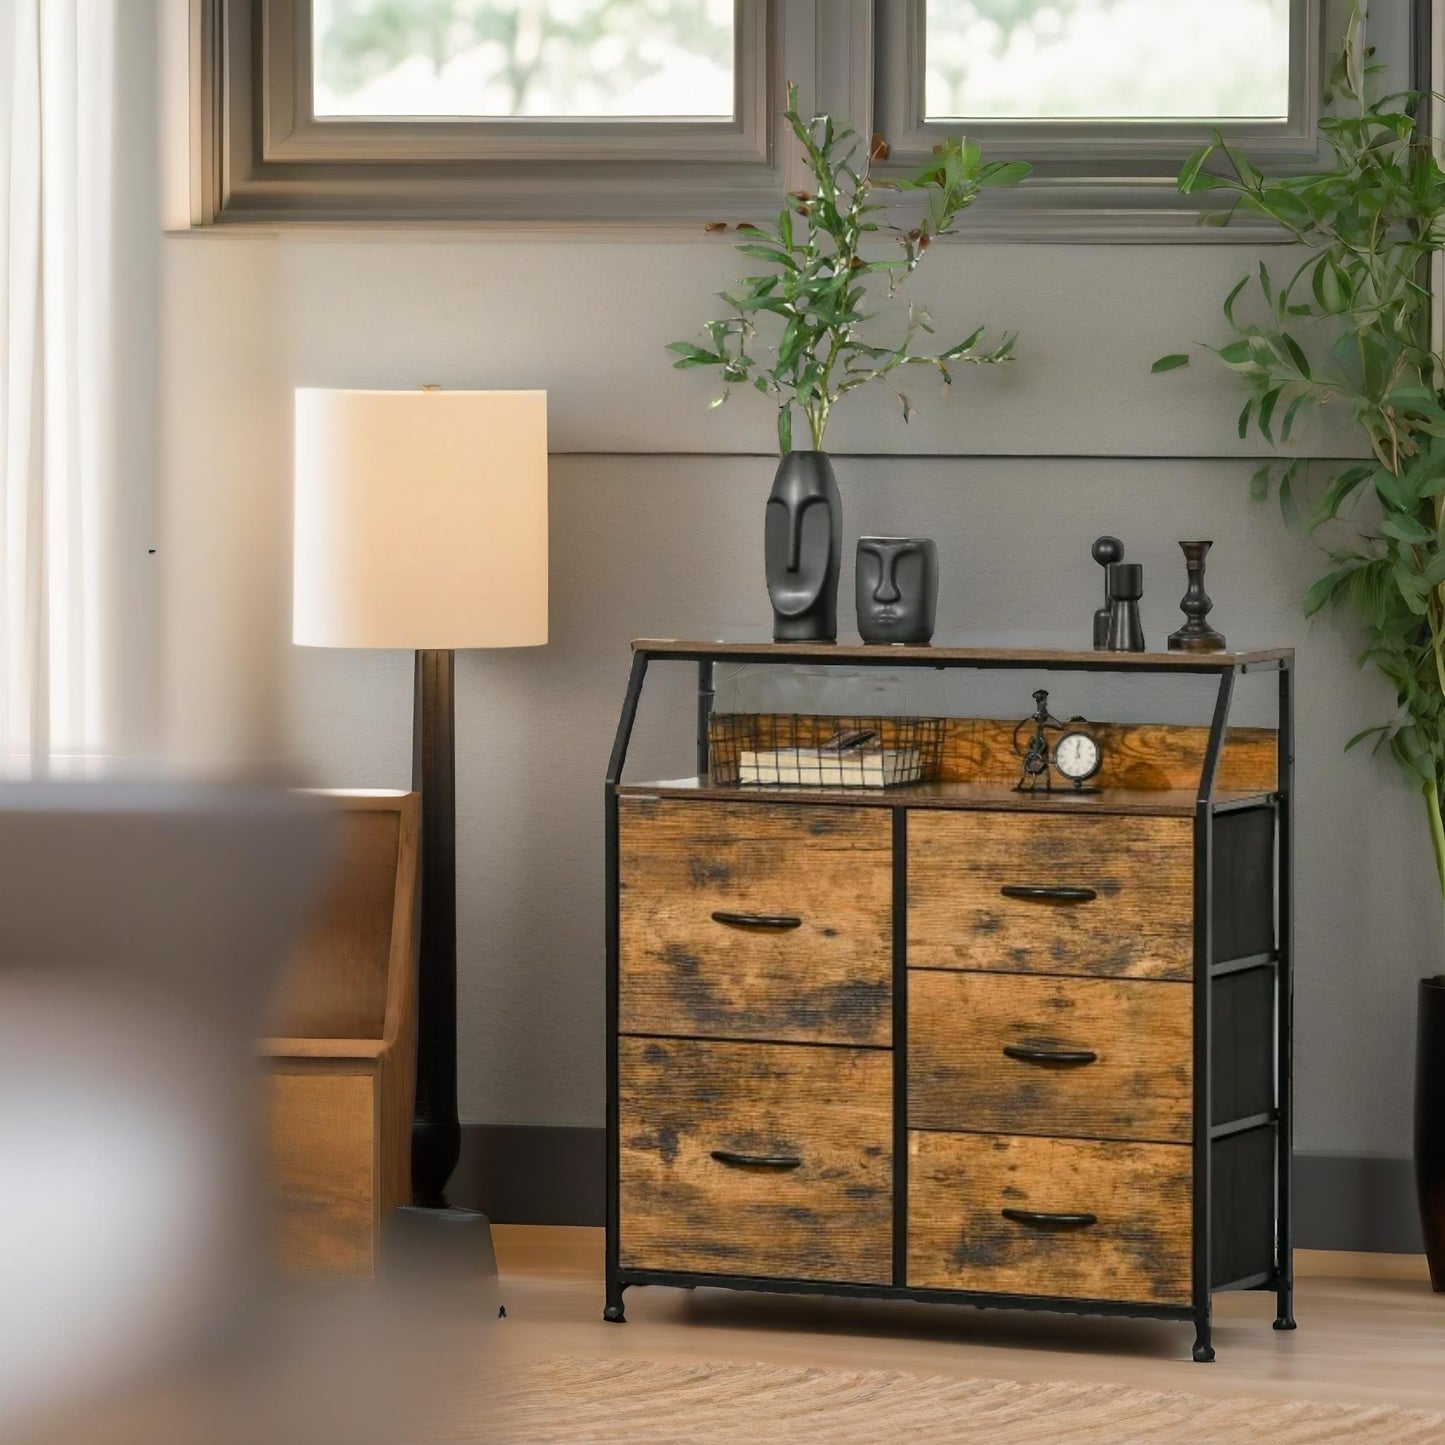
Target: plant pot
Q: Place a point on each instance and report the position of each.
(1430, 1123)
(896, 589)
(803, 548)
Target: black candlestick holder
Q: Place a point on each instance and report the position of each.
(1196, 635)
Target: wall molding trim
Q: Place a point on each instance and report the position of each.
(541, 1174)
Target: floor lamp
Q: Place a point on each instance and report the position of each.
(421, 523)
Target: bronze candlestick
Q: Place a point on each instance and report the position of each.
(1196, 635)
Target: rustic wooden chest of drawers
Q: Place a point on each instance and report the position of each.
(949, 1041)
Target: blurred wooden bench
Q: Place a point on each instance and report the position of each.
(343, 1064)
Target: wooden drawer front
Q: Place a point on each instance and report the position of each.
(827, 1217)
(825, 979)
(1137, 1248)
(1138, 1085)
(1139, 924)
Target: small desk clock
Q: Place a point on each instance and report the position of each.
(1076, 754)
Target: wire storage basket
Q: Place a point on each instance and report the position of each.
(805, 750)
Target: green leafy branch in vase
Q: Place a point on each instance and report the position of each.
(1350, 331)
(817, 283)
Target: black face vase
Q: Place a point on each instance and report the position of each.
(896, 579)
(1430, 1124)
(803, 548)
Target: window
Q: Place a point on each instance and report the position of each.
(589, 59)
(1106, 60)
(1105, 98)
(422, 110)
(627, 111)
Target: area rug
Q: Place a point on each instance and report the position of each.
(584, 1400)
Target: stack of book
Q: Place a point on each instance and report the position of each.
(825, 767)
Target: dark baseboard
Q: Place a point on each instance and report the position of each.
(1356, 1201)
(534, 1174)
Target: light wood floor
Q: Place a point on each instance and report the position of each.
(1374, 1340)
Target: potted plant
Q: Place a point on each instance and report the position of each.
(1350, 329)
(795, 334)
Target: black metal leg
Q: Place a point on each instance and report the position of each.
(704, 716)
(613, 1311)
(1284, 1012)
(1203, 1214)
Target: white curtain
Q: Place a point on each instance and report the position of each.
(64, 556)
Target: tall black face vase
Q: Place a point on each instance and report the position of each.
(803, 548)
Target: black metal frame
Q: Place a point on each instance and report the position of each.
(1280, 1277)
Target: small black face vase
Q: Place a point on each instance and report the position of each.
(897, 587)
(803, 548)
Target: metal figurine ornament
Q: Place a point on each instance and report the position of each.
(1036, 752)
(1077, 755)
(1196, 635)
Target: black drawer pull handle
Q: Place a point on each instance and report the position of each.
(757, 920)
(756, 1161)
(1030, 1054)
(1048, 895)
(1037, 1219)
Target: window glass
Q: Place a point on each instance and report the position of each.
(1107, 59)
(558, 59)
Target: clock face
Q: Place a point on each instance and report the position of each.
(1077, 756)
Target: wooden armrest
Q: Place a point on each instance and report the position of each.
(324, 1048)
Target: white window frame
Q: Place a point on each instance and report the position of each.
(260, 157)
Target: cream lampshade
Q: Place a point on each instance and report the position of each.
(421, 519)
(421, 522)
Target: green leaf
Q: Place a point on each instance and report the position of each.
(698, 355)
(1405, 528)
(690, 356)
(1296, 355)
(1290, 413)
(1171, 362)
(1320, 593)
(769, 253)
(1008, 174)
(1364, 733)
(1259, 484)
(1231, 298)
(1393, 489)
(1244, 418)
(795, 338)
(1340, 489)
(1266, 412)
(1435, 568)
(1189, 172)
(966, 345)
